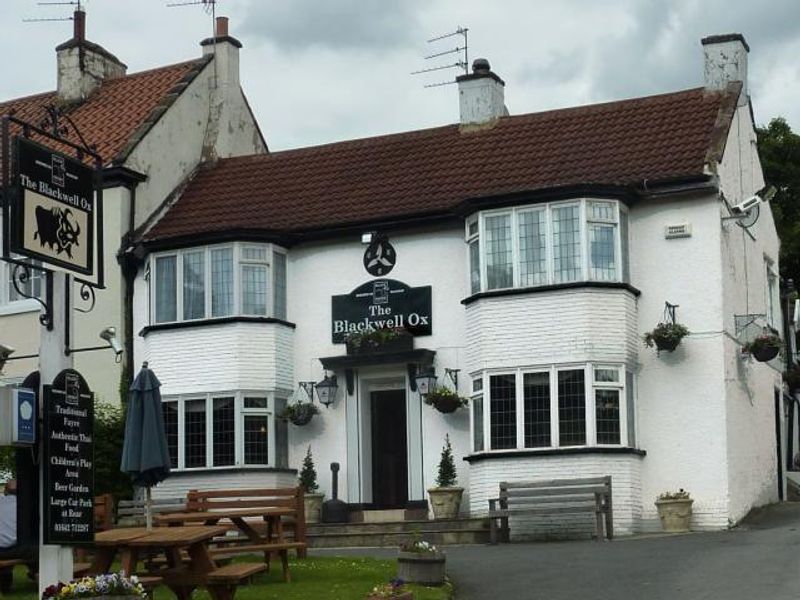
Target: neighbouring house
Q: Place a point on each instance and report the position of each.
(151, 129)
(526, 255)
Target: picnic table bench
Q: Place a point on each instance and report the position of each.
(131, 513)
(557, 496)
(182, 576)
(244, 509)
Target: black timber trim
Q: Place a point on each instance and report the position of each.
(190, 472)
(725, 37)
(220, 39)
(209, 322)
(526, 454)
(608, 285)
(117, 176)
(422, 356)
(87, 45)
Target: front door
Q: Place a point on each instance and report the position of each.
(389, 455)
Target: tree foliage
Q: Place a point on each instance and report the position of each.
(308, 474)
(447, 476)
(109, 432)
(779, 150)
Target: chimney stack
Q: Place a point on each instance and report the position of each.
(481, 95)
(82, 65)
(725, 62)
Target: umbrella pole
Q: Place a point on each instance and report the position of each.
(148, 509)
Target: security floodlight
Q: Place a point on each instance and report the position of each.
(109, 334)
(5, 352)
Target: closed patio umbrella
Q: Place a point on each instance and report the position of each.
(144, 453)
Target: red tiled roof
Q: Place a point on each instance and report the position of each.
(114, 115)
(432, 171)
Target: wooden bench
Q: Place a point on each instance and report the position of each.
(131, 513)
(558, 496)
(226, 502)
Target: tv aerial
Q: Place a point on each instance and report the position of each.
(462, 61)
(78, 4)
(746, 213)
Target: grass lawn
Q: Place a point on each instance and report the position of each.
(315, 578)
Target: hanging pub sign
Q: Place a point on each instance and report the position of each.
(381, 304)
(68, 492)
(53, 218)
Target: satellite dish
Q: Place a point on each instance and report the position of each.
(749, 217)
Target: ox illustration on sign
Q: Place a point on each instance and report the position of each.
(54, 209)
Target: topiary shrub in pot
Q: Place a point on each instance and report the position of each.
(308, 481)
(445, 498)
(665, 336)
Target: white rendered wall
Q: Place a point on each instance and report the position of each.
(750, 411)
(486, 475)
(178, 484)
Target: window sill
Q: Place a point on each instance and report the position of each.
(608, 285)
(233, 469)
(209, 322)
(531, 453)
(19, 307)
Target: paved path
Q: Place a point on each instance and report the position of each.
(759, 560)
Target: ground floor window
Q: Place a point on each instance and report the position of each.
(225, 430)
(553, 407)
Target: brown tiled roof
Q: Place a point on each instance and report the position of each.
(120, 111)
(433, 171)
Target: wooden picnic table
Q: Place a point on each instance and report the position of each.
(269, 542)
(182, 577)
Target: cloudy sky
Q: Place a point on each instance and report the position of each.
(317, 71)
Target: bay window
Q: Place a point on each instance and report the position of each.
(548, 244)
(235, 429)
(553, 407)
(219, 281)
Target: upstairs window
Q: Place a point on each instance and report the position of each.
(33, 286)
(218, 281)
(547, 244)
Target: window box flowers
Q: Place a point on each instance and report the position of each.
(675, 511)
(764, 347)
(299, 413)
(101, 586)
(394, 589)
(421, 562)
(445, 400)
(379, 340)
(665, 336)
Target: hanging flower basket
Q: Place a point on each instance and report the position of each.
(379, 341)
(445, 400)
(299, 413)
(765, 347)
(665, 337)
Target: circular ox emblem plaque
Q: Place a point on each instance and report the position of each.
(380, 257)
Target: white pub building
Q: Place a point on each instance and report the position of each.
(525, 256)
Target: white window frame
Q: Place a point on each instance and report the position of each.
(20, 305)
(238, 263)
(591, 387)
(239, 414)
(547, 208)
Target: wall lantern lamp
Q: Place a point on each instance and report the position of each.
(326, 390)
(426, 382)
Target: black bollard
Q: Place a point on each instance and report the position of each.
(334, 510)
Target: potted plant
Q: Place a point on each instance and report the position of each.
(384, 339)
(675, 511)
(421, 562)
(665, 336)
(100, 586)
(764, 347)
(299, 413)
(396, 589)
(445, 400)
(308, 481)
(446, 496)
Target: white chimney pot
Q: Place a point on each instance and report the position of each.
(725, 62)
(481, 95)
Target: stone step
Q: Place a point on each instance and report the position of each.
(381, 539)
(398, 526)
